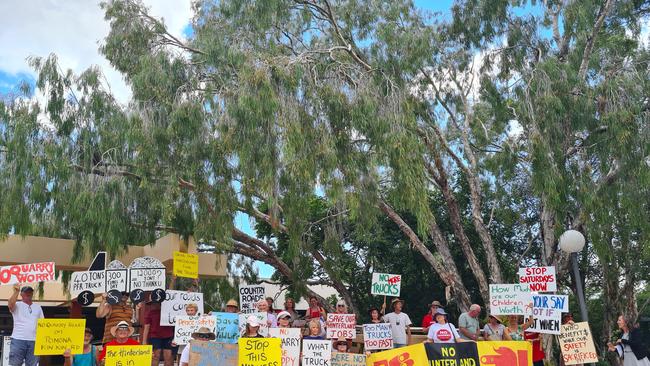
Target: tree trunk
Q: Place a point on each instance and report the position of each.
(456, 223)
(445, 266)
(336, 282)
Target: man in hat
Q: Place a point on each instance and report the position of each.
(400, 324)
(160, 337)
(202, 335)
(428, 319)
(114, 314)
(232, 306)
(23, 336)
(120, 333)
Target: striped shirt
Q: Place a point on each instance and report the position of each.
(118, 314)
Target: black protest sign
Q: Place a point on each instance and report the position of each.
(452, 354)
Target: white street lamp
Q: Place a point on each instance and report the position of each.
(572, 242)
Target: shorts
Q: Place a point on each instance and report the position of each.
(163, 343)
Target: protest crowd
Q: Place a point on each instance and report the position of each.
(252, 330)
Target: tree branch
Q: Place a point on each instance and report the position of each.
(589, 47)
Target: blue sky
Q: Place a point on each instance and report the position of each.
(73, 29)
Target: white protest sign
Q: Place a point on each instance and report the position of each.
(377, 336)
(509, 299)
(175, 303)
(541, 279)
(554, 302)
(547, 326)
(341, 326)
(249, 296)
(577, 344)
(347, 359)
(186, 325)
(316, 352)
(93, 281)
(386, 284)
(117, 279)
(27, 273)
(146, 279)
(290, 344)
(262, 319)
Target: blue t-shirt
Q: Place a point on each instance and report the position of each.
(85, 359)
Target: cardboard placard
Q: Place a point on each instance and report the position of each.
(227, 329)
(128, 355)
(577, 344)
(347, 359)
(316, 352)
(453, 354)
(27, 273)
(290, 344)
(541, 279)
(262, 318)
(186, 325)
(377, 336)
(341, 326)
(550, 325)
(260, 352)
(249, 296)
(554, 302)
(386, 284)
(54, 336)
(175, 303)
(117, 279)
(414, 355)
(213, 353)
(93, 281)
(146, 279)
(509, 299)
(186, 265)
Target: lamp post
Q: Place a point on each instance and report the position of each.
(572, 241)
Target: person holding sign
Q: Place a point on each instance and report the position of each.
(23, 336)
(315, 330)
(315, 311)
(159, 336)
(630, 346)
(203, 334)
(231, 306)
(263, 307)
(114, 314)
(252, 327)
(87, 358)
(494, 330)
(515, 330)
(441, 331)
(400, 324)
(121, 334)
(284, 319)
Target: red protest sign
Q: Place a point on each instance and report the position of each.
(27, 273)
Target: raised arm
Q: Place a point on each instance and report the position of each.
(11, 303)
(104, 308)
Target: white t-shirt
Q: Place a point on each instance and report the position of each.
(398, 324)
(443, 333)
(25, 319)
(185, 355)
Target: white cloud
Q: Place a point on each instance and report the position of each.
(73, 29)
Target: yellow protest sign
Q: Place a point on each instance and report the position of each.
(413, 355)
(54, 336)
(186, 265)
(505, 353)
(260, 352)
(128, 355)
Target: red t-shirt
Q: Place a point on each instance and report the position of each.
(427, 321)
(155, 329)
(129, 342)
(538, 353)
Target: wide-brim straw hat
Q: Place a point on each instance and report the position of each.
(395, 301)
(204, 331)
(232, 302)
(122, 324)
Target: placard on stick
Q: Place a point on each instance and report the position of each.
(186, 325)
(548, 325)
(377, 336)
(290, 344)
(27, 273)
(186, 265)
(260, 351)
(316, 352)
(341, 326)
(386, 284)
(146, 279)
(541, 279)
(577, 344)
(213, 353)
(54, 336)
(128, 355)
(175, 303)
(249, 296)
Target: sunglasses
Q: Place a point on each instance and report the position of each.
(203, 336)
(340, 306)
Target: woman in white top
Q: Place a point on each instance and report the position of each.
(441, 331)
(494, 330)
